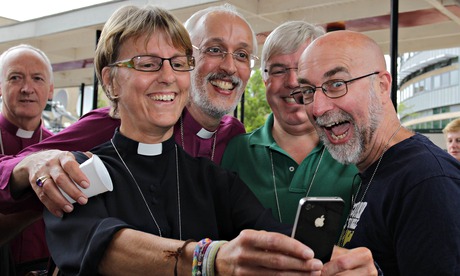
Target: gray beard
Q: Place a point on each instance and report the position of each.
(199, 97)
(352, 151)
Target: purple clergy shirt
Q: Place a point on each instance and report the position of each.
(30, 244)
(13, 144)
(203, 147)
(97, 127)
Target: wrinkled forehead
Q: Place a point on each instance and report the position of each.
(23, 53)
(225, 27)
(25, 59)
(320, 64)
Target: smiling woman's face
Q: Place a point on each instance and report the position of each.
(150, 103)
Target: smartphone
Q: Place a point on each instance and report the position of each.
(317, 224)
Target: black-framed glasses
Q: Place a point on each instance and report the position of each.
(279, 71)
(331, 88)
(241, 56)
(149, 63)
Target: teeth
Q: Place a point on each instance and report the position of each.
(338, 137)
(332, 124)
(162, 97)
(289, 100)
(222, 84)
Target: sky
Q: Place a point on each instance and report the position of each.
(23, 10)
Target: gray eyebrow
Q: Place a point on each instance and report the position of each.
(328, 74)
(221, 41)
(277, 64)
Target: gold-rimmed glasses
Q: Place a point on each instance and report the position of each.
(149, 63)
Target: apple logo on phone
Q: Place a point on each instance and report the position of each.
(319, 222)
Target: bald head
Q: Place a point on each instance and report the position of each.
(198, 20)
(354, 107)
(352, 50)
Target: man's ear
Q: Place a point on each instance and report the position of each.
(385, 85)
(51, 92)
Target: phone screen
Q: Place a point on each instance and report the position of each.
(317, 224)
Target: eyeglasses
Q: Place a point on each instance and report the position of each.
(279, 71)
(241, 56)
(148, 63)
(331, 88)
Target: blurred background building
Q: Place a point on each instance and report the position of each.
(429, 90)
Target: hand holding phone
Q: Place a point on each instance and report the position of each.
(317, 224)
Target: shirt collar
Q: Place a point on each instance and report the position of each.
(263, 135)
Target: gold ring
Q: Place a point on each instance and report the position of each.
(41, 180)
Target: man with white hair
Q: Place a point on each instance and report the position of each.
(26, 83)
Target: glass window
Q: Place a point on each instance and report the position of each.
(445, 79)
(421, 86)
(428, 84)
(444, 123)
(454, 77)
(436, 82)
(416, 87)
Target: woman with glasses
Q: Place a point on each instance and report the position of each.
(162, 196)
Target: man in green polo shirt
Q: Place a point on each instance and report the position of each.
(284, 160)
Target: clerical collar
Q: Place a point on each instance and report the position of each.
(149, 149)
(24, 133)
(205, 134)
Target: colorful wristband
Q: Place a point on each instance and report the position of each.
(198, 255)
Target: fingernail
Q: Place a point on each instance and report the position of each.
(68, 208)
(318, 265)
(309, 253)
(84, 184)
(82, 200)
(59, 214)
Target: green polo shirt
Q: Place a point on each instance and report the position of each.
(249, 155)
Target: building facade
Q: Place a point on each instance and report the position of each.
(429, 90)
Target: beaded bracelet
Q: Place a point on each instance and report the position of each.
(198, 255)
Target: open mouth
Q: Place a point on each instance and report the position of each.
(224, 85)
(338, 130)
(163, 97)
(289, 99)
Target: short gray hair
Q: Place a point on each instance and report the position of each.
(29, 47)
(226, 8)
(287, 38)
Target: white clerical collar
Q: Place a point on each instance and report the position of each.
(205, 134)
(24, 133)
(149, 149)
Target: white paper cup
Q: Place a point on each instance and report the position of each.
(99, 178)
